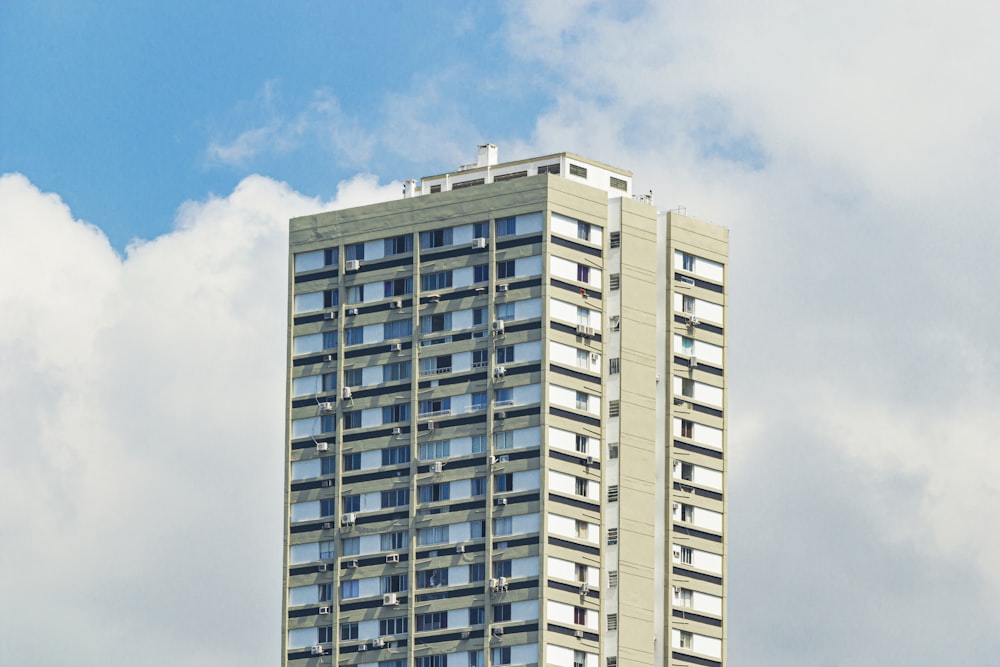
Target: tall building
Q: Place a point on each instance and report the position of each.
(506, 437)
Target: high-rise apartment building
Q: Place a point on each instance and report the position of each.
(506, 437)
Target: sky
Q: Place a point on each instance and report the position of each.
(152, 154)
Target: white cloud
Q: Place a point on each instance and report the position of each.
(140, 429)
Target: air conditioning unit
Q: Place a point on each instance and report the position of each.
(431, 426)
(330, 315)
(588, 331)
(345, 393)
(677, 554)
(352, 311)
(434, 297)
(437, 466)
(594, 356)
(494, 585)
(578, 634)
(362, 647)
(501, 501)
(504, 458)
(460, 549)
(584, 588)
(502, 288)
(352, 265)
(392, 558)
(498, 327)
(396, 430)
(348, 519)
(501, 415)
(590, 460)
(396, 347)
(691, 320)
(322, 567)
(502, 583)
(499, 372)
(328, 357)
(390, 600)
(396, 304)
(353, 564)
(498, 632)
(328, 525)
(581, 329)
(466, 634)
(324, 610)
(479, 243)
(326, 407)
(378, 642)
(327, 483)
(322, 446)
(317, 650)
(693, 362)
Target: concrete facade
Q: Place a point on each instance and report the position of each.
(506, 435)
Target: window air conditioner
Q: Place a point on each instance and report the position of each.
(502, 288)
(328, 357)
(352, 265)
(691, 320)
(437, 466)
(431, 426)
(677, 554)
(499, 372)
(466, 634)
(390, 600)
(328, 525)
(327, 483)
(322, 446)
(501, 501)
(434, 297)
(363, 647)
(330, 316)
(396, 347)
(378, 642)
(348, 519)
(392, 558)
(578, 634)
(396, 430)
(594, 356)
(324, 610)
(588, 331)
(693, 362)
(345, 392)
(396, 304)
(504, 458)
(501, 415)
(353, 564)
(352, 311)
(479, 243)
(584, 588)
(460, 549)
(326, 407)
(317, 650)
(322, 567)
(581, 329)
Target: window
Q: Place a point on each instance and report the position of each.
(476, 615)
(433, 323)
(396, 413)
(579, 616)
(687, 387)
(549, 169)
(687, 304)
(430, 282)
(481, 273)
(478, 401)
(505, 269)
(352, 462)
(478, 317)
(686, 512)
(397, 540)
(435, 407)
(396, 583)
(613, 493)
(579, 659)
(683, 596)
(331, 298)
(437, 238)
(476, 658)
(582, 359)
(349, 589)
(581, 572)
(687, 472)
(395, 498)
(398, 287)
(326, 507)
(324, 592)
(478, 485)
(582, 399)
(583, 316)
(505, 355)
(504, 397)
(330, 340)
(432, 535)
(356, 294)
(468, 184)
(351, 503)
(397, 329)
(477, 529)
(687, 262)
(583, 273)
(612, 536)
(478, 444)
(432, 621)
(615, 239)
(430, 493)
(481, 230)
(439, 449)
(435, 188)
(618, 183)
(353, 377)
(328, 465)
(355, 251)
(503, 482)
(350, 546)
(501, 568)
(324, 634)
(331, 256)
(501, 613)
(687, 428)
(348, 631)
(329, 382)
(394, 372)
(435, 365)
(480, 358)
(505, 312)
(477, 572)
(432, 661)
(687, 345)
(506, 226)
(500, 655)
(582, 486)
(615, 281)
(612, 621)
(354, 336)
(398, 245)
(686, 639)
(686, 554)
(577, 170)
(432, 578)
(581, 444)
(392, 626)
(326, 550)
(327, 423)
(503, 440)
(614, 366)
(503, 526)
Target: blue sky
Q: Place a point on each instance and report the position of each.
(152, 154)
